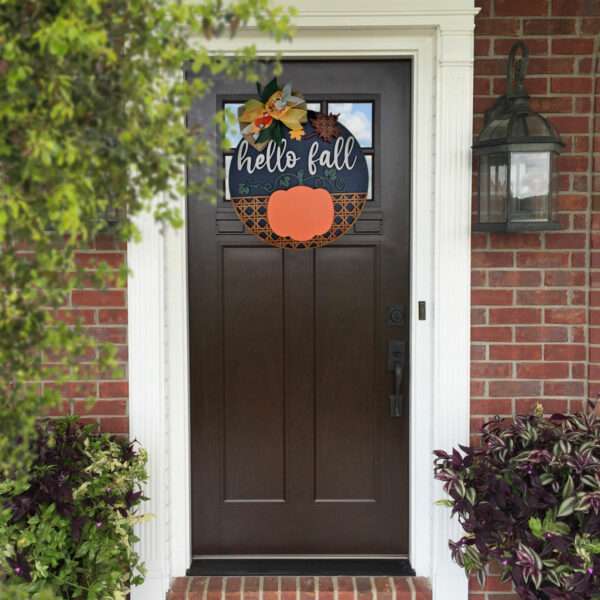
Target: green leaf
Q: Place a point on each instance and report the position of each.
(269, 90)
(471, 495)
(535, 525)
(567, 507)
(568, 488)
(445, 502)
(277, 132)
(541, 528)
(265, 134)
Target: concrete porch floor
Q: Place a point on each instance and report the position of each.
(300, 588)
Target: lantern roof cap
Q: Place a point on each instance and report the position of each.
(511, 122)
(519, 127)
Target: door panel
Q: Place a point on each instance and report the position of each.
(345, 375)
(294, 450)
(253, 362)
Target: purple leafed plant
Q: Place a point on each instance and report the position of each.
(529, 498)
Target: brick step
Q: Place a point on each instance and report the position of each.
(300, 588)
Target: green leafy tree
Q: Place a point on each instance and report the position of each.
(92, 124)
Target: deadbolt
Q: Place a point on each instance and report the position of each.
(395, 315)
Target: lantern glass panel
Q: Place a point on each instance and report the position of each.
(497, 129)
(555, 186)
(536, 126)
(530, 186)
(493, 169)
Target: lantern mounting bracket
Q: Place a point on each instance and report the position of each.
(516, 95)
(516, 70)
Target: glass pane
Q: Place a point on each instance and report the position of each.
(232, 133)
(369, 159)
(227, 167)
(530, 185)
(496, 129)
(484, 190)
(555, 187)
(358, 118)
(314, 106)
(493, 188)
(537, 126)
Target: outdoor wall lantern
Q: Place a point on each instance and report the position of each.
(517, 152)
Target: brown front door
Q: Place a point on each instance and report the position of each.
(294, 447)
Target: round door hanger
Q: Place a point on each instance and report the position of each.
(298, 179)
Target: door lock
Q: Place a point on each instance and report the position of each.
(394, 315)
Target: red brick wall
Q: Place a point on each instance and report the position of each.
(104, 313)
(536, 314)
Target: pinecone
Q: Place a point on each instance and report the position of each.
(326, 126)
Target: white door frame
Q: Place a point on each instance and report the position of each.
(438, 36)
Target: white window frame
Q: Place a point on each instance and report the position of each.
(437, 35)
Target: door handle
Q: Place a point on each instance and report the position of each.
(396, 351)
(396, 399)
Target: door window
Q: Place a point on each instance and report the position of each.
(357, 116)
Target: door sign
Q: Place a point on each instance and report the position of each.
(298, 178)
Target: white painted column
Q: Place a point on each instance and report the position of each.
(178, 398)
(147, 402)
(452, 282)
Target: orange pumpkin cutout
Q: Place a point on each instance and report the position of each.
(300, 213)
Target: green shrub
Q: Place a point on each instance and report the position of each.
(68, 528)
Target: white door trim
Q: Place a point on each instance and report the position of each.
(439, 40)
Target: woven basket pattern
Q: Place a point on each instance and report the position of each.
(252, 211)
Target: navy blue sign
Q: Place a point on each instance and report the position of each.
(332, 163)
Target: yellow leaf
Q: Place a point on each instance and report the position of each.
(299, 114)
(251, 110)
(296, 134)
(291, 123)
